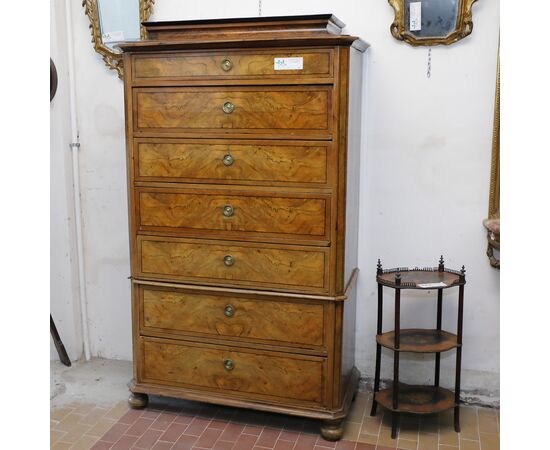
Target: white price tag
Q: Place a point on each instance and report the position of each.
(432, 285)
(112, 36)
(415, 16)
(296, 63)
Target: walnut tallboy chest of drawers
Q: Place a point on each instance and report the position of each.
(243, 160)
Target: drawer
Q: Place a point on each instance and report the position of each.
(222, 161)
(233, 213)
(224, 368)
(176, 311)
(286, 110)
(231, 64)
(289, 267)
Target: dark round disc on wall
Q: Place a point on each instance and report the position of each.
(53, 80)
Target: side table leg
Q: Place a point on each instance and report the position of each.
(376, 379)
(394, 420)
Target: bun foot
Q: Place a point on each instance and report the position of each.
(332, 430)
(137, 400)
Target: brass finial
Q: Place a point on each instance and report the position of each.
(441, 266)
(379, 267)
(463, 273)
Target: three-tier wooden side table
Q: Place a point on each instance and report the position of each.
(418, 399)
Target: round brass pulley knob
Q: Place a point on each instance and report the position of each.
(228, 107)
(228, 364)
(228, 160)
(228, 211)
(227, 65)
(228, 260)
(229, 310)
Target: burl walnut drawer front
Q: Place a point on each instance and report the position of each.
(181, 312)
(227, 369)
(285, 110)
(229, 212)
(236, 161)
(228, 263)
(229, 64)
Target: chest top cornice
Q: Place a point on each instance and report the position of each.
(281, 31)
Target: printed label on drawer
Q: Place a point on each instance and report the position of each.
(288, 63)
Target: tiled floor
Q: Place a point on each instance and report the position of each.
(177, 424)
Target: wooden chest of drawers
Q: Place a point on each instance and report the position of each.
(243, 158)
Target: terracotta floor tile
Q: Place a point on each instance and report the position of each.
(384, 438)
(371, 426)
(139, 427)
(148, 439)
(382, 447)
(83, 408)
(305, 442)
(232, 432)
(174, 431)
(448, 447)
(185, 442)
(224, 445)
(406, 444)
(351, 431)
(102, 445)
(125, 442)
(117, 411)
(290, 436)
(163, 421)
(253, 430)
(130, 416)
(322, 442)
(246, 442)
(163, 445)
(69, 421)
(101, 427)
(56, 435)
(363, 446)
(84, 443)
(368, 438)
(283, 445)
(268, 437)
(448, 436)
(345, 445)
(115, 433)
(197, 426)
(469, 445)
(217, 425)
(208, 438)
(93, 416)
(428, 424)
(59, 413)
(489, 441)
(150, 414)
(488, 421)
(61, 446)
(75, 433)
(428, 441)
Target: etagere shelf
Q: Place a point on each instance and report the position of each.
(421, 399)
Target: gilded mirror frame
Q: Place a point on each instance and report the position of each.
(464, 25)
(113, 59)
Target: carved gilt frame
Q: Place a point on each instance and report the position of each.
(112, 59)
(494, 190)
(464, 25)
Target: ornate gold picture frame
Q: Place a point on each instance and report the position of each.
(453, 16)
(112, 58)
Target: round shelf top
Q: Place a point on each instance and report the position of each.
(421, 278)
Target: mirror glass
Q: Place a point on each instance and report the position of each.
(431, 18)
(119, 21)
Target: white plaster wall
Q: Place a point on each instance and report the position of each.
(64, 305)
(425, 172)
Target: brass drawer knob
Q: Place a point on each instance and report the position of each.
(229, 310)
(227, 65)
(228, 260)
(228, 211)
(228, 107)
(228, 364)
(228, 160)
